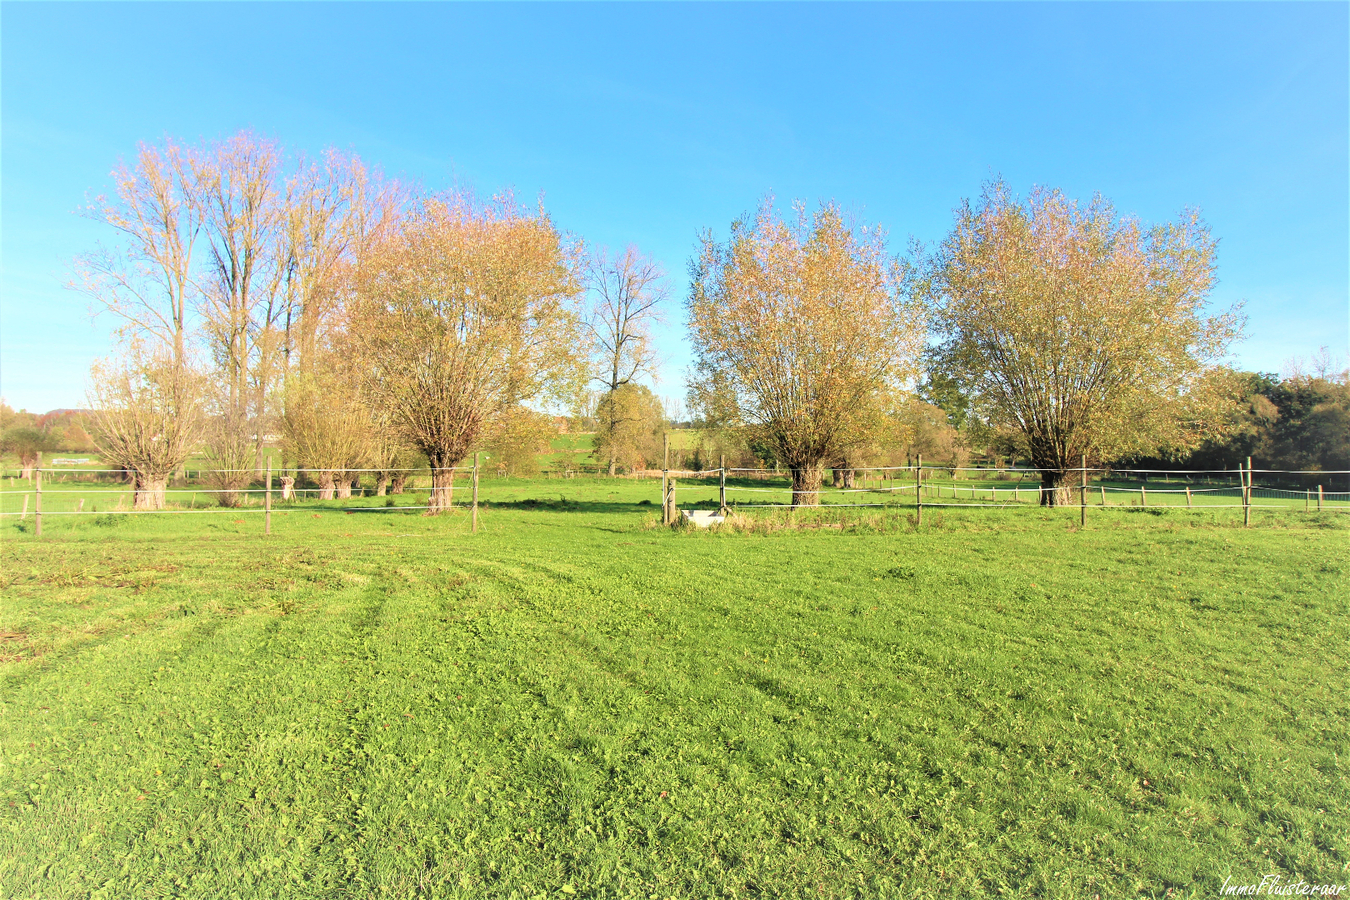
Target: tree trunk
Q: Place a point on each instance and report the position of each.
(258, 446)
(287, 487)
(613, 386)
(382, 484)
(442, 489)
(26, 467)
(850, 479)
(229, 499)
(398, 482)
(1055, 489)
(344, 488)
(806, 485)
(327, 487)
(836, 477)
(149, 491)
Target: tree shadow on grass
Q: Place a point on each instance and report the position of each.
(530, 504)
(562, 504)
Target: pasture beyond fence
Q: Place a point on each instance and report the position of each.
(1005, 488)
(82, 491)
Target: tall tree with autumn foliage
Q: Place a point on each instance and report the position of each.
(463, 311)
(1079, 331)
(801, 331)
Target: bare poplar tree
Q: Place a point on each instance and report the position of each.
(146, 409)
(800, 331)
(1079, 332)
(315, 240)
(333, 208)
(149, 281)
(222, 237)
(242, 303)
(627, 293)
(465, 310)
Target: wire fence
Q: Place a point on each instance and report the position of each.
(156, 499)
(914, 486)
(985, 487)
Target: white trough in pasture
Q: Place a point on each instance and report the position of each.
(703, 518)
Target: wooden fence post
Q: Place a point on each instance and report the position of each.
(722, 485)
(1188, 496)
(1082, 491)
(38, 502)
(473, 516)
(1247, 496)
(918, 492)
(1143, 496)
(668, 506)
(267, 500)
(1319, 498)
(1102, 487)
(665, 478)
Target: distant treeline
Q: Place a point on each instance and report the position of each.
(26, 434)
(1299, 424)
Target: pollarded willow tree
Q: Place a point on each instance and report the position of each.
(326, 424)
(1080, 332)
(463, 311)
(146, 409)
(801, 330)
(28, 444)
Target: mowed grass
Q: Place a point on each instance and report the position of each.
(576, 703)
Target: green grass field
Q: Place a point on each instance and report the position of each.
(576, 703)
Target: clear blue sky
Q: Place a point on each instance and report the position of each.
(646, 123)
